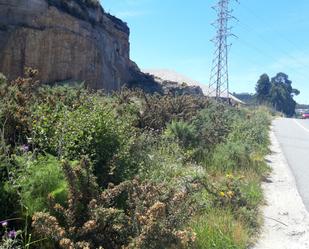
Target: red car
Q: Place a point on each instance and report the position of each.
(305, 115)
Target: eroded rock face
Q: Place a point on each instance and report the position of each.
(65, 41)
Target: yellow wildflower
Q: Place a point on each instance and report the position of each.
(222, 194)
(229, 176)
(230, 194)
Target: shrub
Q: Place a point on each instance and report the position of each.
(184, 132)
(252, 130)
(85, 222)
(9, 199)
(141, 182)
(156, 111)
(213, 126)
(158, 213)
(245, 145)
(231, 156)
(90, 129)
(161, 159)
(62, 95)
(16, 98)
(228, 193)
(37, 179)
(9, 205)
(149, 219)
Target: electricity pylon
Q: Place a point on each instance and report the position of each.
(219, 78)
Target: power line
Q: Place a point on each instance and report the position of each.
(268, 55)
(266, 22)
(268, 41)
(297, 66)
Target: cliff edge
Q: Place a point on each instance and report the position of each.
(66, 40)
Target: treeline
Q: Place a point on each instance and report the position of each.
(82, 169)
(277, 92)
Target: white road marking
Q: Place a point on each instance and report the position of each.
(300, 125)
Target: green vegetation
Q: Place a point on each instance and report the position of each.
(80, 9)
(81, 169)
(39, 178)
(277, 92)
(220, 230)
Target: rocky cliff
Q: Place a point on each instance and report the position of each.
(66, 40)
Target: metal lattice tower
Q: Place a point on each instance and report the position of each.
(219, 78)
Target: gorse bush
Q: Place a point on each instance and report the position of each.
(228, 192)
(93, 219)
(16, 98)
(20, 97)
(156, 111)
(88, 220)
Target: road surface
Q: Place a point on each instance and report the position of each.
(286, 220)
(293, 137)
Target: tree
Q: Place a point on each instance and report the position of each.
(263, 88)
(278, 92)
(282, 94)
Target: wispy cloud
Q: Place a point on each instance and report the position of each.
(296, 61)
(136, 2)
(130, 8)
(130, 13)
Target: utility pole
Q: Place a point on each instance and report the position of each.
(219, 78)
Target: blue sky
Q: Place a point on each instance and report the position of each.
(175, 34)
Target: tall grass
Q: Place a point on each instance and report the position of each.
(218, 229)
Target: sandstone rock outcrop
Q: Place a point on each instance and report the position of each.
(66, 40)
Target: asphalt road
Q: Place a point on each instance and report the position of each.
(293, 136)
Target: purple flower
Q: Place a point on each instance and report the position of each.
(12, 234)
(25, 148)
(4, 223)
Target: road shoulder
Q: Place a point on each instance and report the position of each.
(286, 220)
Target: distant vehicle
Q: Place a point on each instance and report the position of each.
(305, 115)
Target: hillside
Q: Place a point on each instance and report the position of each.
(166, 75)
